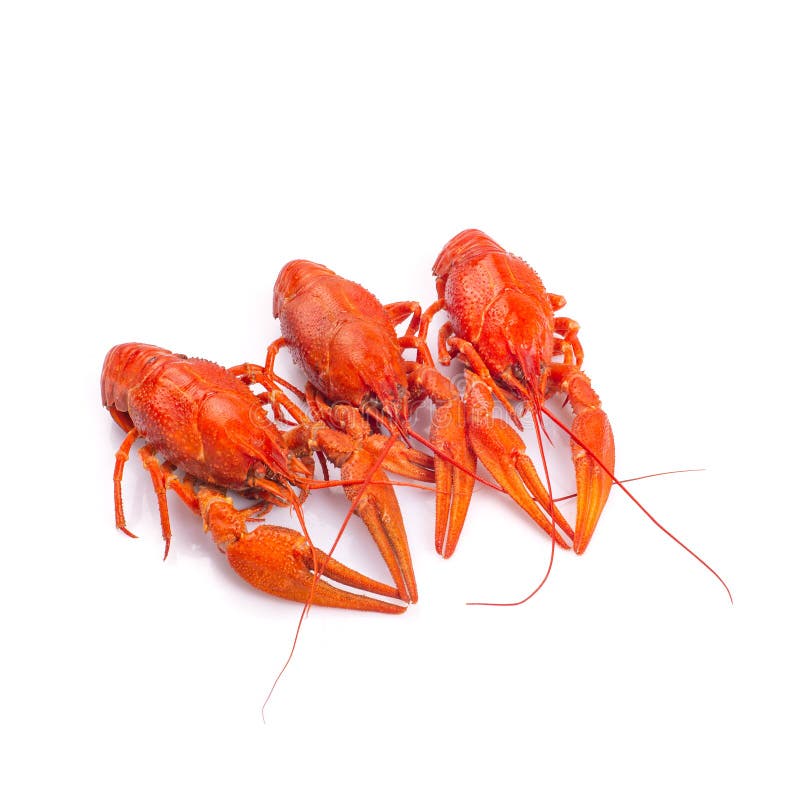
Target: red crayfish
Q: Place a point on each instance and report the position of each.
(503, 325)
(200, 418)
(344, 339)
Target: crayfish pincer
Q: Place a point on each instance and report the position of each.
(199, 418)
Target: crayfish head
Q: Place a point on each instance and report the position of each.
(528, 349)
(531, 371)
(388, 406)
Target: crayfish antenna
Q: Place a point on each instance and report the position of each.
(325, 564)
(536, 415)
(450, 460)
(574, 437)
(573, 495)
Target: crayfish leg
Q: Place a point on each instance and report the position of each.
(163, 478)
(404, 310)
(121, 458)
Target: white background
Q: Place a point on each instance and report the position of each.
(161, 161)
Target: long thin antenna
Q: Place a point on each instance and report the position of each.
(641, 507)
(320, 569)
(536, 415)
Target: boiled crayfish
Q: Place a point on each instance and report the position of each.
(503, 326)
(200, 418)
(344, 339)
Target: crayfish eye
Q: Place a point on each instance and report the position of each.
(259, 471)
(371, 401)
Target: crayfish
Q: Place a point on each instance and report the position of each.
(503, 326)
(344, 339)
(200, 418)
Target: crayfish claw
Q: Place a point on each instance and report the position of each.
(501, 450)
(594, 483)
(592, 451)
(283, 563)
(453, 460)
(455, 474)
(378, 508)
